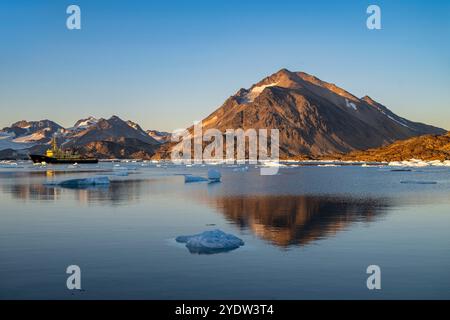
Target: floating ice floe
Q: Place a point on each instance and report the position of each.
(209, 242)
(85, 182)
(240, 169)
(190, 178)
(272, 164)
(420, 163)
(9, 165)
(418, 182)
(213, 176)
(121, 173)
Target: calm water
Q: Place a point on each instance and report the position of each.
(309, 232)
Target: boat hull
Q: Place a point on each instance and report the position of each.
(40, 158)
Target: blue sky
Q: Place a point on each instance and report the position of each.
(165, 64)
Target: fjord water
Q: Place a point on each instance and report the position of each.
(310, 233)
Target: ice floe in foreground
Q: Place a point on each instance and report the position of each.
(82, 183)
(209, 242)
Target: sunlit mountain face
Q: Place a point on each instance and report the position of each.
(315, 118)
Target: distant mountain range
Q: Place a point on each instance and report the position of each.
(101, 138)
(315, 119)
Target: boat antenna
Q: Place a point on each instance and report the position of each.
(54, 144)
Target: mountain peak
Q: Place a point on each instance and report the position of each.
(85, 122)
(369, 100)
(315, 117)
(283, 71)
(293, 80)
(114, 117)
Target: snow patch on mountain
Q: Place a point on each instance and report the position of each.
(256, 91)
(159, 136)
(393, 119)
(350, 104)
(30, 138)
(6, 142)
(84, 123)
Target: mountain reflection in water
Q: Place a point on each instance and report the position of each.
(117, 193)
(298, 220)
(282, 220)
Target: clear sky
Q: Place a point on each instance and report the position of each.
(165, 64)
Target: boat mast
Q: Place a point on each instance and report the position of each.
(54, 144)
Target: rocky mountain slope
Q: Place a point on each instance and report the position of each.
(314, 117)
(427, 147)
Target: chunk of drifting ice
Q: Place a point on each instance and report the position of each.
(241, 169)
(189, 178)
(6, 165)
(209, 242)
(214, 175)
(79, 183)
(418, 182)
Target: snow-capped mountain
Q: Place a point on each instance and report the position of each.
(31, 131)
(85, 123)
(315, 118)
(159, 136)
(103, 138)
(26, 134)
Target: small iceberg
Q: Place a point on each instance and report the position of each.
(9, 165)
(418, 182)
(214, 175)
(189, 178)
(83, 183)
(210, 242)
